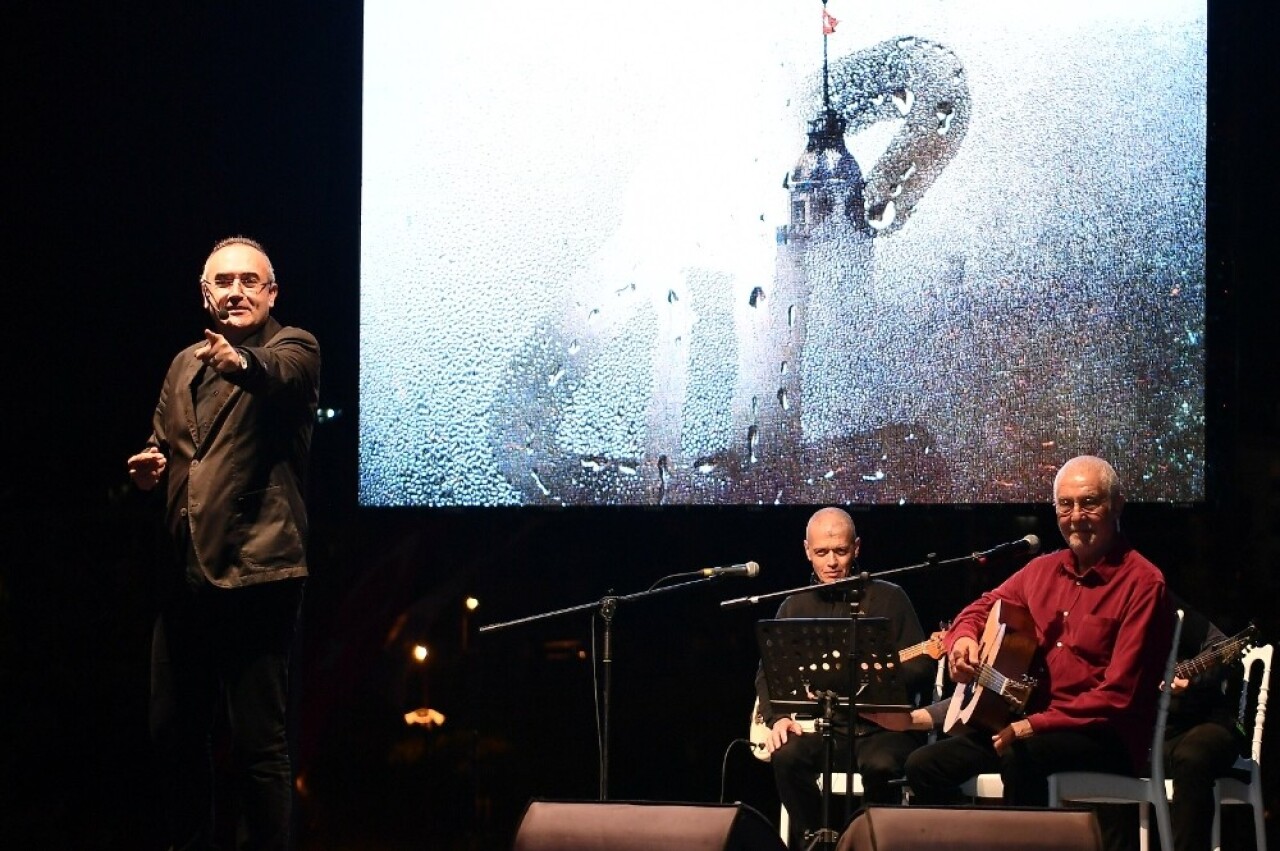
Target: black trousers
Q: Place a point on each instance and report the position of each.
(935, 772)
(225, 650)
(1192, 759)
(798, 764)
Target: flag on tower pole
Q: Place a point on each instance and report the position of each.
(828, 22)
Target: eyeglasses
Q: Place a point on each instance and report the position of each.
(1090, 505)
(249, 282)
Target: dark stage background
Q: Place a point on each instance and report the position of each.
(137, 135)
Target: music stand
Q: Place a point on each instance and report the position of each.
(818, 664)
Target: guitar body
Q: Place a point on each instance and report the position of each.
(1005, 651)
(760, 733)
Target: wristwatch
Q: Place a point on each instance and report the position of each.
(244, 362)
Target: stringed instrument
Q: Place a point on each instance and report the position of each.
(1001, 686)
(759, 735)
(1218, 654)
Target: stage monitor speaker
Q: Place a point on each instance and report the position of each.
(643, 826)
(918, 828)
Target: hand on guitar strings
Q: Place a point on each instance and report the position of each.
(962, 661)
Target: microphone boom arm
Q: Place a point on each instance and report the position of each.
(932, 561)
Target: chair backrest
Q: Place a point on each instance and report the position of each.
(1162, 707)
(1251, 660)
(940, 680)
(939, 689)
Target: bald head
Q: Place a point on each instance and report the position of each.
(830, 517)
(831, 543)
(248, 243)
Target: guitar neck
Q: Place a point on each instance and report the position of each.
(989, 677)
(931, 646)
(909, 653)
(1212, 657)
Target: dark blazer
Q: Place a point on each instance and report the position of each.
(239, 487)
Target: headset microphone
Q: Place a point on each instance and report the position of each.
(219, 311)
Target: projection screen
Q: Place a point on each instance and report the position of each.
(776, 252)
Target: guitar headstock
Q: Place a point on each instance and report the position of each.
(1251, 634)
(1241, 643)
(933, 645)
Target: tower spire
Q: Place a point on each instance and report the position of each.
(828, 27)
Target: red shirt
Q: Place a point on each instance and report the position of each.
(1103, 640)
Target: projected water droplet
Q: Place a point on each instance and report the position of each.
(756, 295)
(945, 112)
(554, 378)
(595, 465)
(703, 466)
(782, 399)
(628, 469)
(882, 217)
(753, 437)
(574, 347)
(593, 315)
(537, 480)
(903, 99)
(791, 316)
(672, 298)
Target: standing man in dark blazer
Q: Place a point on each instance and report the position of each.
(232, 434)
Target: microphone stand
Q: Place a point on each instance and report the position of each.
(826, 837)
(606, 607)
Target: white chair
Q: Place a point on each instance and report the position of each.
(838, 786)
(1100, 787)
(983, 786)
(1230, 790)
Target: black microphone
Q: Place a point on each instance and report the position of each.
(1029, 545)
(221, 312)
(748, 570)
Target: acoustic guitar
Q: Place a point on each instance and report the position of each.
(759, 735)
(1001, 686)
